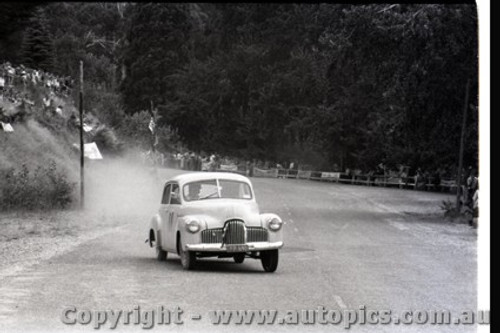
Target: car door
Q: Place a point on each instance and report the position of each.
(164, 214)
(173, 211)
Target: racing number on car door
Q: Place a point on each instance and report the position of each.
(164, 212)
(173, 207)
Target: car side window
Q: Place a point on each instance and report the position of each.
(166, 195)
(174, 197)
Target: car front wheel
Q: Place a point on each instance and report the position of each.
(269, 260)
(160, 254)
(188, 258)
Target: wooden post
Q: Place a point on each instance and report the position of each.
(462, 140)
(153, 132)
(82, 182)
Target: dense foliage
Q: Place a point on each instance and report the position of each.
(320, 84)
(44, 188)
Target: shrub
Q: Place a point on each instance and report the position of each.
(44, 188)
(135, 132)
(107, 141)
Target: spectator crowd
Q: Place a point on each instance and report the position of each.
(18, 83)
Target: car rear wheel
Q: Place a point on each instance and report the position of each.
(269, 260)
(239, 258)
(188, 258)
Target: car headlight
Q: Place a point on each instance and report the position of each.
(193, 226)
(275, 224)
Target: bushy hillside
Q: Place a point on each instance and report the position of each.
(39, 158)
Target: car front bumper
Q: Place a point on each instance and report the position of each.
(216, 247)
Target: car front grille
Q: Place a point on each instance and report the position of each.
(235, 234)
(256, 234)
(212, 236)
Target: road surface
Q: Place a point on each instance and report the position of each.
(345, 246)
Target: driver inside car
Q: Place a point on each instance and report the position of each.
(194, 191)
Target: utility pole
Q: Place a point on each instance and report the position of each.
(82, 182)
(462, 140)
(153, 130)
(152, 127)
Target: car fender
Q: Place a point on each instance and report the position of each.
(206, 221)
(274, 236)
(266, 217)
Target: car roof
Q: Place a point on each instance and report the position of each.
(194, 176)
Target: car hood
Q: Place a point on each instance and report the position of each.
(214, 212)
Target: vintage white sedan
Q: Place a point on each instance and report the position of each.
(214, 214)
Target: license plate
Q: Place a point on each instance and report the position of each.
(237, 248)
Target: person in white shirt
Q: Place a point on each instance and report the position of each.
(2, 85)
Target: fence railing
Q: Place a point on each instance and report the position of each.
(412, 182)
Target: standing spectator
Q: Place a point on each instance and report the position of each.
(427, 178)
(11, 72)
(212, 163)
(475, 208)
(2, 85)
(472, 183)
(348, 172)
(33, 77)
(402, 172)
(56, 85)
(252, 166)
(23, 74)
(381, 169)
(182, 161)
(191, 162)
(419, 179)
(47, 101)
(198, 163)
(186, 161)
(437, 178)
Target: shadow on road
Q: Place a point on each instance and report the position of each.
(215, 266)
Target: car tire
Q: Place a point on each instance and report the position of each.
(239, 258)
(269, 260)
(160, 254)
(188, 258)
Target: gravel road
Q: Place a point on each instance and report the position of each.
(345, 246)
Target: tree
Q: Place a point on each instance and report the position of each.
(155, 49)
(397, 79)
(37, 48)
(14, 17)
(322, 84)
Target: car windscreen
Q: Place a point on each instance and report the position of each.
(207, 189)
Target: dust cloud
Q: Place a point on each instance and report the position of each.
(33, 145)
(114, 186)
(123, 187)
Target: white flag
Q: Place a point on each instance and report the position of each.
(7, 127)
(87, 128)
(91, 151)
